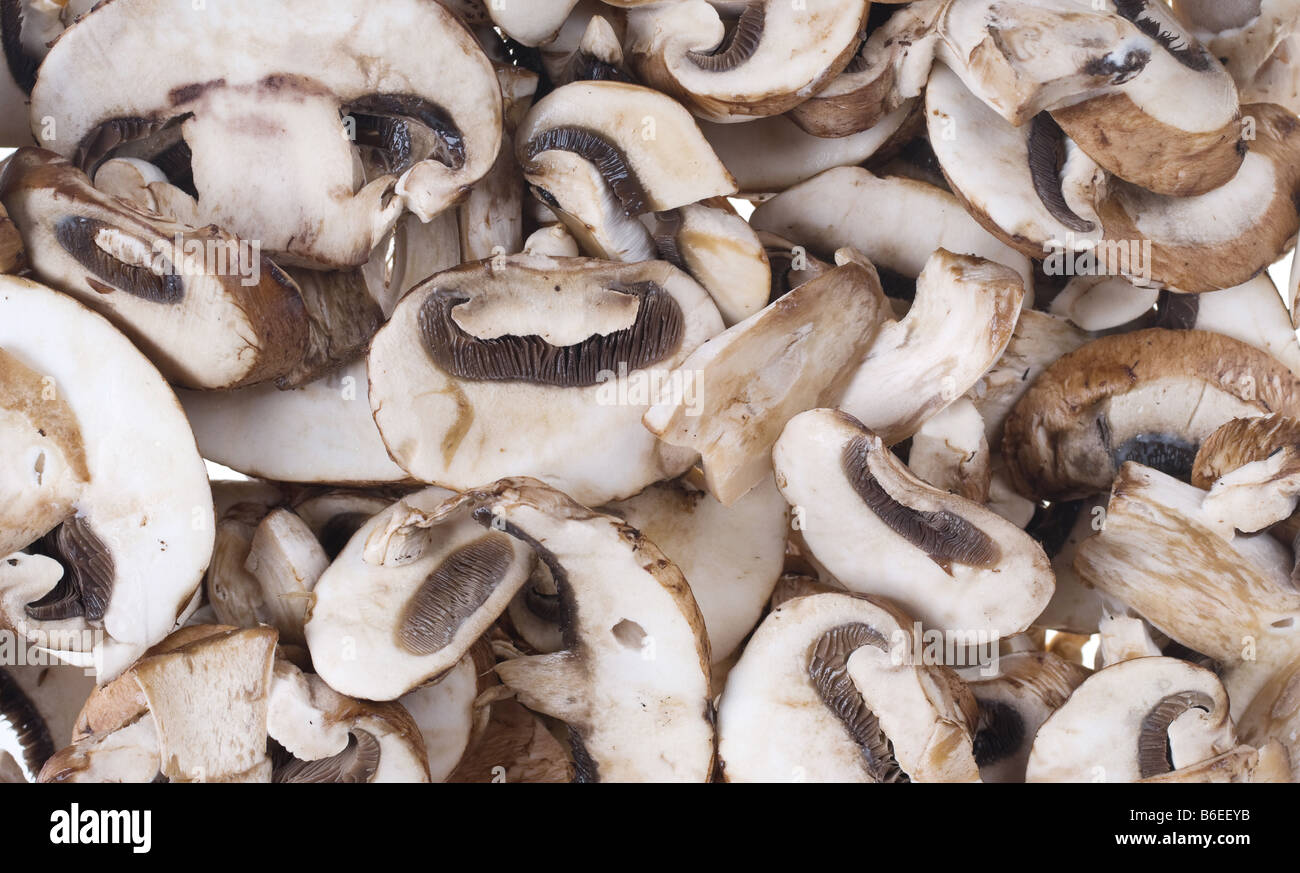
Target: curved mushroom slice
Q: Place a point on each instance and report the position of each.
(791, 265)
(1269, 763)
(632, 682)
(1256, 40)
(793, 355)
(1107, 74)
(320, 432)
(1149, 396)
(207, 308)
(1097, 303)
(448, 714)
(766, 60)
(130, 540)
(950, 453)
(889, 69)
(961, 321)
(898, 223)
(258, 129)
(327, 737)
(1134, 720)
(1192, 577)
(826, 691)
(538, 366)
(721, 252)
(533, 23)
(409, 594)
(772, 154)
(1253, 313)
(1029, 687)
(879, 530)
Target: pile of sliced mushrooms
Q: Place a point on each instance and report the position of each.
(649, 390)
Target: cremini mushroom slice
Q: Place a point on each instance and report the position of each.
(1098, 303)
(329, 738)
(1149, 396)
(1028, 687)
(515, 747)
(448, 712)
(768, 58)
(950, 453)
(489, 370)
(1133, 720)
(128, 528)
(30, 733)
(1256, 40)
(408, 595)
(793, 355)
(827, 690)
(721, 252)
(963, 316)
(879, 530)
(258, 131)
(1270, 763)
(1253, 313)
(207, 308)
(632, 683)
(1251, 467)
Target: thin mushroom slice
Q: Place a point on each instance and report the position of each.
(533, 23)
(1099, 303)
(315, 153)
(1256, 40)
(793, 355)
(540, 366)
(124, 555)
(206, 306)
(950, 452)
(879, 530)
(827, 691)
(632, 683)
(1149, 396)
(449, 713)
(1134, 720)
(409, 595)
(722, 252)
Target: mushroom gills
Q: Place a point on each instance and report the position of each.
(1185, 50)
(158, 142)
(26, 722)
(22, 66)
(460, 585)
(87, 582)
(1154, 756)
(946, 538)
(1167, 453)
(608, 159)
(999, 733)
(358, 762)
(1046, 146)
(85, 238)
(388, 127)
(738, 45)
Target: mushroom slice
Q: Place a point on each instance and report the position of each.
(792, 265)
(879, 530)
(1253, 313)
(898, 223)
(1256, 40)
(320, 432)
(528, 364)
(315, 153)
(766, 60)
(1097, 303)
(533, 23)
(1149, 396)
(55, 693)
(961, 321)
(1270, 763)
(287, 560)
(13, 258)
(333, 516)
(793, 355)
(128, 754)
(448, 713)
(599, 57)
(1028, 687)
(731, 556)
(515, 747)
(206, 307)
(722, 252)
(1251, 467)
(327, 737)
(632, 683)
(408, 595)
(551, 241)
(128, 556)
(826, 691)
(1134, 720)
(1274, 714)
(950, 453)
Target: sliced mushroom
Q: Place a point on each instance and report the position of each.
(599, 57)
(1253, 313)
(1274, 715)
(515, 747)
(950, 453)
(287, 560)
(551, 241)
(1097, 303)
(722, 252)
(448, 713)
(1134, 720)
(827, 691)
(532, 23)
(489, 370)
(879, 530)
(1256, 40)
(1269, 763)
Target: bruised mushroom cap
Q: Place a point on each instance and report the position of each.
(632, 683)
(771, 59)
(270, 156)
(208, 309)
(793, 355)
(1028, 688)
(409, 594)
(825, 691)
(1149, 396)
(136, 528)
(879, 530)
(1135, 719)
(488, 370)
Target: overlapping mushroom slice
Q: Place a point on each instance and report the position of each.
(721, 252)
(879, 530)
(409, 594)
(110, 499)
(1133, 720)
(40, 700)
(539, 366)
(1256, 40)
(827, 691)
(1269, 763)
(208, 308)
(1028, 688)
(1150, 396)
(963, 316)
(793, 355)
(632, 682)
(449, 714)
(272, 117)
(1251, 467)
(327, 737)
(767, 59)
(1253, 313)
(950, 452)
(193, 710)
